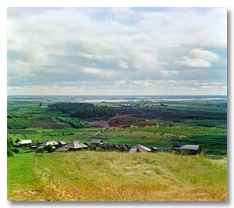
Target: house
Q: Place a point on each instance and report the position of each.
(190, 149)
(74, 146)
(97, 142)
(25, 143)
(139, 148)
(186, 149)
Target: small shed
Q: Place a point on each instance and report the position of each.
(139, 148)
(97, 142)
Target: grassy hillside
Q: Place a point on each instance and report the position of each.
(113, 176)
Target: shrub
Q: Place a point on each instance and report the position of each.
(49, 148)
(92, 147)
(104, 147)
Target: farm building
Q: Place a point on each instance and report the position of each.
(139, 148)
(74, 146)
(97, 142)
(187, 149)
(25, 143)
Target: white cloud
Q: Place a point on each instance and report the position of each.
(204, 54)
(113, 43)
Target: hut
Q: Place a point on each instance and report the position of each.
(97, 142)
(139, 148)
(74, 146)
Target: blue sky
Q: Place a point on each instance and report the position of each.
(117, 51)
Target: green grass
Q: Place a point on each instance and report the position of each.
(113, 176)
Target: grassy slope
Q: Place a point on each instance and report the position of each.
(116, 176)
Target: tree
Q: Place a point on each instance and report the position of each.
(49, 148)
(9, 152)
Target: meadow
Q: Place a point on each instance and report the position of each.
(115, 176)
(76, 176)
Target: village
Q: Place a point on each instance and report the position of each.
(98, 144)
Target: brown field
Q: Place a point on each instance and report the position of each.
(100, 123)
(143, 123)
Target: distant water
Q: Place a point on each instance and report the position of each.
(117, 98)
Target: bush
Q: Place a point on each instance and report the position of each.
(49, 148)
(104, 147)
(39, 150)
(17, 140)
(121, 148)
(92, 147)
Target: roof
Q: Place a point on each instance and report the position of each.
(28, 141)
(139, 148)
(75, 145)
(62, 142)
(96, 141)
(190, 147)
(52, 143)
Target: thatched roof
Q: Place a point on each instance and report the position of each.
(139, 148)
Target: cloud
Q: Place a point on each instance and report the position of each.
(205, 54)
(65, 47)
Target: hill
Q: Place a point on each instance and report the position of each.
(114, 176)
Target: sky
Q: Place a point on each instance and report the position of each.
(117, 51)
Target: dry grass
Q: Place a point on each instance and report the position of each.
(112, 176)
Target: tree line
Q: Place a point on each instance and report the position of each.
(83, 110)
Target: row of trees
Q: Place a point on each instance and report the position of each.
(83, 110)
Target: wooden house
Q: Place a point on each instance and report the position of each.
(186, 149)
(97, 142)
